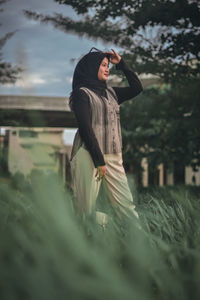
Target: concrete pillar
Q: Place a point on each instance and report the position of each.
(161, 174)
(170, 178)
(64, 167)
(144, 164)
(192, 177)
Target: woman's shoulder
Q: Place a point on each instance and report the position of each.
(80, 92)
(112, 92)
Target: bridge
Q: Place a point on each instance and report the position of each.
(36, 111)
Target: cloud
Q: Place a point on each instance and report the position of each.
(43, 51)
(69, 79)
(37, 79)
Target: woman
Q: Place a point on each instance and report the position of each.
(97, 148)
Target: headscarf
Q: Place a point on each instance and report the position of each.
(86, 73)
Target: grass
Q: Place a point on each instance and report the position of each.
(46, 253)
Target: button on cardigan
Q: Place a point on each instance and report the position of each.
(88, 134)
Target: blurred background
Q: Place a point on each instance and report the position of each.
(45, 251)
(40, 45)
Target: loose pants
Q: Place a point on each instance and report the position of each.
(86, 185)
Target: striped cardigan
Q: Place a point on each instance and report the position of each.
(105, 122)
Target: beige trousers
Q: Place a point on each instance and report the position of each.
(86, 186)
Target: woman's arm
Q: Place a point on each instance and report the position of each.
(135, 86)
(81, 109)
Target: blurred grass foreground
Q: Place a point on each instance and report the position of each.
(46, 253)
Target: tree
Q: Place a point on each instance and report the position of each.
(8, 73)
(162, 124)
(161, 37)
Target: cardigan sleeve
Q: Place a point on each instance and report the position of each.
(81, 108)
(135, 86)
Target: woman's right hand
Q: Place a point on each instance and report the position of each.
(101, 172)
(114, 57)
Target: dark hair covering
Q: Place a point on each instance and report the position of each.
(86, 73)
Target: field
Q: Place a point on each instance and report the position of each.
(47, 253)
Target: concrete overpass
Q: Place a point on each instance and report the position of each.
(36, 111)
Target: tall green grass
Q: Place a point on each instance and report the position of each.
(46, 253)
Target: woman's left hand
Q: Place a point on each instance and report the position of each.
(100, 173)
(114, 57)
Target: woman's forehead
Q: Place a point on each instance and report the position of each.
(105, 60)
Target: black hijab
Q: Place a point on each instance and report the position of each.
(86, 73)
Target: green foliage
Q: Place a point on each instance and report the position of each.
(161, 37)
(46, 253)
(157, 37)
(162, 124)
(8, 73)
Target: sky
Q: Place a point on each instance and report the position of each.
(41, 50)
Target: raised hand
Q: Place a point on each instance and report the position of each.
(114, 57)
(100, 173)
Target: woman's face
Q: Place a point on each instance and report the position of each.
(103, 69)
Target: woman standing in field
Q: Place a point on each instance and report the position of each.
(97, 148)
